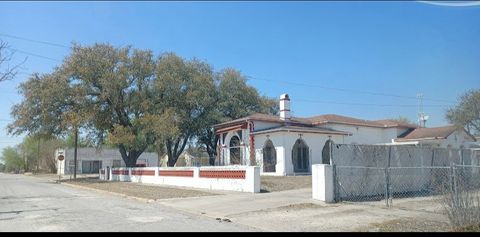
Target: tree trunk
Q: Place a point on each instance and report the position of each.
(130, 159)
(212, 149)
(177, 150)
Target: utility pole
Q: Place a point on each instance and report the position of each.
(75, 154)
(38, 152)
(422, 118)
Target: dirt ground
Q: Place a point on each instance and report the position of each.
(154, 192)
(281, 183)
(409, 225)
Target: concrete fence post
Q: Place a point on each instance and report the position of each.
(322, 183)
(196, 172)
(252, 176)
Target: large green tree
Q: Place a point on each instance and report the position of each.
(38, 152)
(184, 88)
(128, 98)
(466, 113)
(12, 160)
(234, 99)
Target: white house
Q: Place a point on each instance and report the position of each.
(90, 160)
(286, 145)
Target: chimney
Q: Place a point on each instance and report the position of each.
(285, 107)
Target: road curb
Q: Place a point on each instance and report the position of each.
(108, 192)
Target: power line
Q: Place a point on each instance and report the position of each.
(362, 104)
(345, 90)
(35, 41)
(35, 55)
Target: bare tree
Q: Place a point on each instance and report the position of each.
(7, 71)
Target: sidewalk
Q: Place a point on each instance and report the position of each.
(295, 210)
(237, 203)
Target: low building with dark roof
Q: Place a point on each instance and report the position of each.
(90, 160)
(447, 137)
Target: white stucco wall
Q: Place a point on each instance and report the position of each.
(250, 183)
(284, 142)
(367, 135)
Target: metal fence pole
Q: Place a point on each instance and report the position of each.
(336, 198)
(386, 185)
(452, 185)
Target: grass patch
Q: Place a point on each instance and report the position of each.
(282, 183)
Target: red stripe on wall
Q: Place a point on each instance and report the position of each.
(223, 174)
(143, 172)
(120, 172)
(177, 173)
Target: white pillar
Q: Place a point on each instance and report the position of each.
(322, 183)
(252, 178)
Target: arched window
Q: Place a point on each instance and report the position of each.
(300, 156)
(235, 150)
(326, 152)
(269, 157)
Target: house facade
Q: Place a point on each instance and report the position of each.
(91, 160)
(287, 145)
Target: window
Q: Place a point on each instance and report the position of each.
(234, 150)
(326, 152)
(300, 156)
(269, 157)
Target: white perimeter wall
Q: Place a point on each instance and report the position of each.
(224, 181)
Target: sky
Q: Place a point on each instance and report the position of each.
(361, 59)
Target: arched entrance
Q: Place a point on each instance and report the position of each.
(235, 150)
(300, 156)
(269, 157)
(326, 152)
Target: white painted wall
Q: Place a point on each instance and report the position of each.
(367, 135)
(322, 183)
(251, 183)
(284, 142)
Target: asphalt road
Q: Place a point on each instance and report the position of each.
(33, 204)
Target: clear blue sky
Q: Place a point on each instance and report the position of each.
(398, 48)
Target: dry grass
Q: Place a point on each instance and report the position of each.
(469, 228)
(410, 225)
(139, 190)
(281, 183)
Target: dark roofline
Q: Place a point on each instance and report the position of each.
(303, 130)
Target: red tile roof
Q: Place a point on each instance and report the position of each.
(319, 120)
(430, 133)
(302, 129)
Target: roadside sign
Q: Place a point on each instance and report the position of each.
(60, 157)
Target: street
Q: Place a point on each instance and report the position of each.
(33, 204)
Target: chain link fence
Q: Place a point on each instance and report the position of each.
(436, 183)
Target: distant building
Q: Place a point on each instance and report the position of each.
(90, 160)
(446, 137)
(287, 145)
